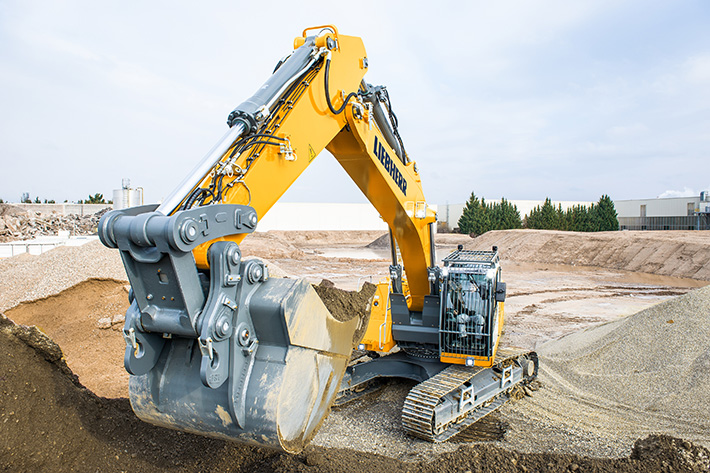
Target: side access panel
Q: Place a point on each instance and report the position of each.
(415, 327)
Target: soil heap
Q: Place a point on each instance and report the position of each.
(86, 320)
(344, 305)
(382, 242)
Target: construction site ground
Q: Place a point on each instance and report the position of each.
(621, 321)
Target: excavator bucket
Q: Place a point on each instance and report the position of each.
(276, 396)
(238, 356)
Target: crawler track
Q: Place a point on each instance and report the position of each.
(419, 416)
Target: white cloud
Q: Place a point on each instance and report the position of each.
(686, 192)
(697, 69)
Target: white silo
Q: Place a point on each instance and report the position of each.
(126, 196)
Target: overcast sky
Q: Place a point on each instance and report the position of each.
(521, 99)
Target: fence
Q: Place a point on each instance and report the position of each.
(695, 222)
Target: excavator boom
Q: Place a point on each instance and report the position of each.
(274, 138)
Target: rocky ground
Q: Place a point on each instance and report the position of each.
(17, 224)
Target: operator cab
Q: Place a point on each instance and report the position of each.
(471, 289)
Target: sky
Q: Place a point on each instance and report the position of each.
(515, 99)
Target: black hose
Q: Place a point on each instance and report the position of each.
(194, 195)
(327, 93)
(395, 125)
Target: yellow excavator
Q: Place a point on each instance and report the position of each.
(216, 347)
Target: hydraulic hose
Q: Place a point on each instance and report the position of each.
(327, 92)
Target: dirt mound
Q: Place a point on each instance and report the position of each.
(269, 245)
(87, 319)
(51, 423)
(645, 373)
(75, 318)
(345, 305)
(382, 242)
(684, 254)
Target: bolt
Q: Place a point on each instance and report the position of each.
(244, 336)
(149, 297)
(222, 327)
(234, 255)
(255, 273)
(189, 231)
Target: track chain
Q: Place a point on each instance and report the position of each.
(419, 406)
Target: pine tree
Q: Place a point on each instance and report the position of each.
(548, 215)
(576, 218)
(470, 212)
(533, 218)
(579, 218)
(482, 222)
(479, 216)
(510, 215)
(561, 218)
(606, 217)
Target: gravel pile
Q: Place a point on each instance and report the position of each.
(373, 424)
(16, 224)
(382, 242)
(26, 277)
(607, 385)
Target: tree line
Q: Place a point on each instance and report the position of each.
(479, 216)
(93, 199)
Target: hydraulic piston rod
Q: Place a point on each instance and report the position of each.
(203, 167)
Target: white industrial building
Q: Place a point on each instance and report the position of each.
(321, 216)
(675, 213)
